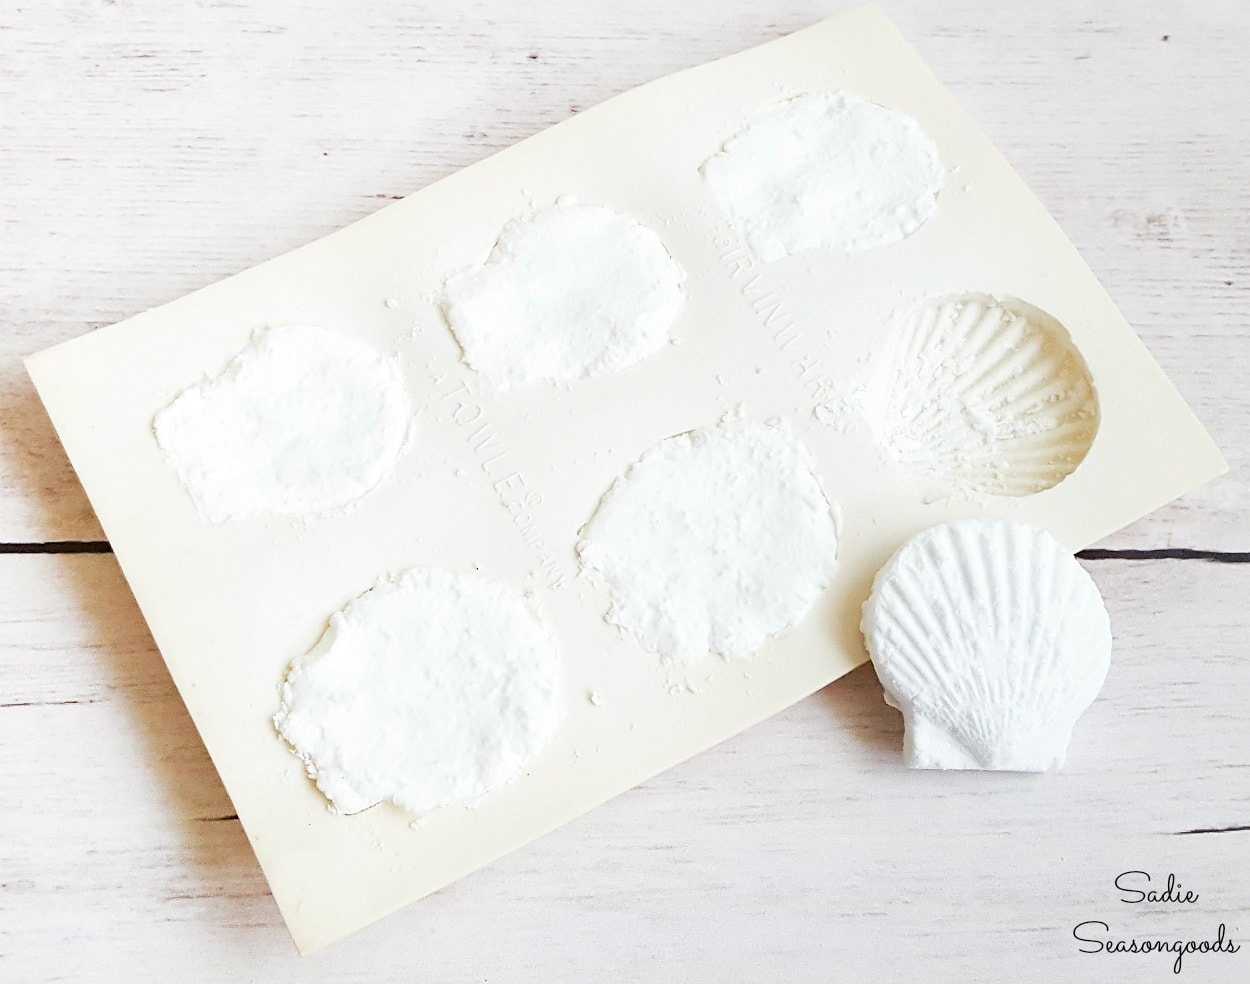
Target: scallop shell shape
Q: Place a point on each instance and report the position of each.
(979, 394)
(991, 639)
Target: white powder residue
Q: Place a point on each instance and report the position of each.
(826, 171)
(429, 689)
(713, 541)
(572, 292)
(302, 422)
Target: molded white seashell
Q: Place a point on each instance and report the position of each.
(991, 639)
(984, 395)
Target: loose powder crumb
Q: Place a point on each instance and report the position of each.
(571, 292)
(826, 171)
(429, 689)
(302, 422)
(713, 541)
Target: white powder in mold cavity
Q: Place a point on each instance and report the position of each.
(571, 292)
(302, 422)
(713, 541)
(826, 171)
(429, 689)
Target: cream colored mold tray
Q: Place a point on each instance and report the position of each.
(500, 483)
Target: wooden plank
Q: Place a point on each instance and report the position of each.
(148, 150)
(799, 850)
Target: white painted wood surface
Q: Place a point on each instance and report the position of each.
(147, 149)
(800, 850)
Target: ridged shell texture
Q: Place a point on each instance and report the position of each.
(991, 639)
(984, 395)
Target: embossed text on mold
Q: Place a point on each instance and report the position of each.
(468, 413)
(748, 275)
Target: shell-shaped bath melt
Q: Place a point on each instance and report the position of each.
(983, 395)
(991, 639)
(303, 422)
(713, 541)
(571, 292)
(429, 689)
(826, 171)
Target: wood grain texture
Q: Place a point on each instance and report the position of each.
(149, 149)
(800, 850)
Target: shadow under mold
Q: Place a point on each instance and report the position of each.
(857, 702)
(37, 472)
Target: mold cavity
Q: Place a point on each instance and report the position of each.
(826, 171)
(571, 292)
(431, 688)
(301, 423)
(713, 541)
(983, 395)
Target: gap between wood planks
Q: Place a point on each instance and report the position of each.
(1095, 554)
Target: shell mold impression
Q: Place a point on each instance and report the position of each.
(429, 689)
(569, 293)
(303, 422)
(991, 639)
(826, 171)
(713, 541)
(983, 395)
